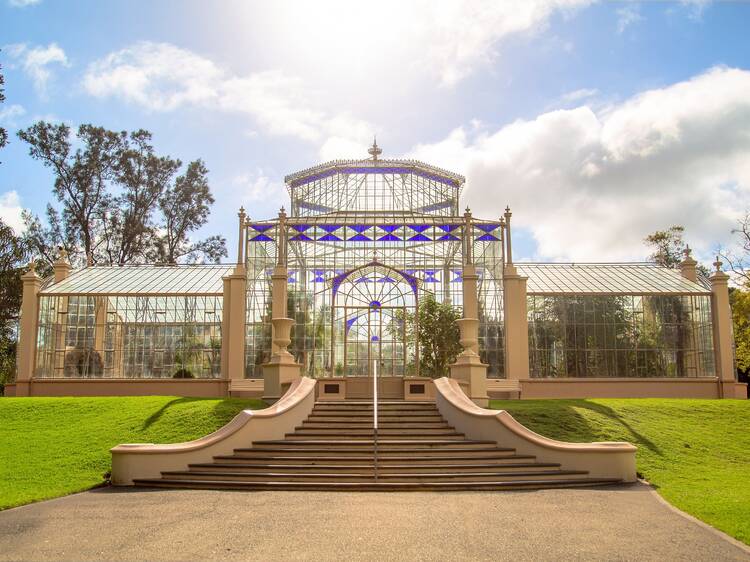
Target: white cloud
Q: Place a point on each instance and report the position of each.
(36, 62)
(22, 3)
(257, 187)
(10, 211)
(163, 77)
(590, 186)
(578, 95)
(628, 15)
(9, 115)
(404, 41)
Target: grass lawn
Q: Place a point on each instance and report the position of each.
(695, 452)
(50, 447)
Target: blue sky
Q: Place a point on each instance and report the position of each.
(598, 122)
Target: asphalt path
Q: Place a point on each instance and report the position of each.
(622, 523)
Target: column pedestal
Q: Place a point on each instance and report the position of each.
(281, 371)
(468, 369)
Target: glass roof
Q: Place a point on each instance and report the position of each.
(143, 280)
(605, 278)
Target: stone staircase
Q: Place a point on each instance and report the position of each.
(334, 449)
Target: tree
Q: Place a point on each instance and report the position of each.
(739, 258)
(437, 333)
(12, 256)
(669, 248)
(143, 177)
(740, 301)
(81, 177)
(185, 207)
(3, 132)
(120, 202)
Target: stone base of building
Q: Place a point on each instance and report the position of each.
(390, 388)
(208, 388)
(708, 387)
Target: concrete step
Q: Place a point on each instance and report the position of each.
(389, 468)
(362, 477)
(386, 444)
(322, 452)
(345, 419)
(367, 459)
(368, 425)
(439, 433)
(527, 484)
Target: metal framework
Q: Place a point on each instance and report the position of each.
(397, 225)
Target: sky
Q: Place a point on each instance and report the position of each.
(597, 122)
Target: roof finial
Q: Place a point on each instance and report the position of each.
(375, 150)
(717, 264)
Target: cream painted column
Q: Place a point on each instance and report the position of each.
(32, 283)
(688, 266)
(515, 314)
(722, 327)
(281, 370)
(233, 325)
(468, 369)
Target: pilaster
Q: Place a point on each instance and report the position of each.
(32, 283)
(233, 325)
(516, 324)
(722, 328)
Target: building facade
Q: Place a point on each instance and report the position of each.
(365, 245)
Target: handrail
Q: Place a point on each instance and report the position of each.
(375, 416)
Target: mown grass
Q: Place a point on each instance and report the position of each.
(50, 447)
(695, 452)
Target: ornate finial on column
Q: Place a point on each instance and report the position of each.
(241, 238)
(717, 264)
(509, 246)
(686, 252)
(32, 267)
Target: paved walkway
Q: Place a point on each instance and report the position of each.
(590, 524)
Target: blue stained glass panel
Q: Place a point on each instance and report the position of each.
(419, 238)
(359, 227)
(261, 227)
(448, 227)
(261, 238)
(329, 238)
(301, 238)
(300, 227)
(375, 338)
(418, 227)
(330, 227)
(389, 238)
(446, 237)
(359, 238)
(487, 238)
(386, 280)
(389, 227)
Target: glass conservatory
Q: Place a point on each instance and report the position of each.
(365, 246)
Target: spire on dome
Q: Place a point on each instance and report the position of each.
(375, 150)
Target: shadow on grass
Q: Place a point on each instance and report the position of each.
(611, 414)
(153, 418)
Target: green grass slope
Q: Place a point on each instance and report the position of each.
(695, 452)
(50, 447)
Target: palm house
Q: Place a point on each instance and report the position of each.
(334, 287)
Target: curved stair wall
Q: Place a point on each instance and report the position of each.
(146, 460)
(601, 460)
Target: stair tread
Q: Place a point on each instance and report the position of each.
(381, 474)
(381, 466)
(372, 486)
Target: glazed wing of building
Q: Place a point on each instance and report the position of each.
(365, 245)
(617, 320)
